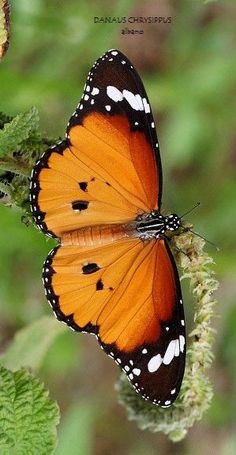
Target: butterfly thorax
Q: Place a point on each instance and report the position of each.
(155, 225)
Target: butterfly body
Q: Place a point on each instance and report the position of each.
(146, 227)
(99, 193)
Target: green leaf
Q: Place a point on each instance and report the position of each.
(28, 417)
(17, 131)
(4, 118)
(30, 344)
(76, 431)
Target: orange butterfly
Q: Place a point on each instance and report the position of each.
(99, 192)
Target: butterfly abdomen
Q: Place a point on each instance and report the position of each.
(98, 235)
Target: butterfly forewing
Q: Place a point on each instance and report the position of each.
(114, 89)
(103, 279)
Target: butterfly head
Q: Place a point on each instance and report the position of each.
(172, 222)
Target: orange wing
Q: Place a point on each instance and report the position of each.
(128, 294)
(108, 169)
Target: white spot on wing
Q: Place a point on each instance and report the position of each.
(154, 363)
(170, 352)
(114, 93)
(140, 102)
(146, 106)
(133, 100)
(136, 371)
(177, 348)
(181, 342)
(95, 91)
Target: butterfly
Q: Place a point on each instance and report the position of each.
(99, 193)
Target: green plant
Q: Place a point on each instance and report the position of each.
(28, 416)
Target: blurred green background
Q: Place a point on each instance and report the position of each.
(189, 70)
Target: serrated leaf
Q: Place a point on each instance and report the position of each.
(30, 344)
(4, 27)
(17, 131)
(28, 417)
(4, 118)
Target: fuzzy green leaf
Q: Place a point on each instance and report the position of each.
(31, 344)
(28, 417)
(17, 131)
(4, 118)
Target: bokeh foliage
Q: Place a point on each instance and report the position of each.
(189, 71)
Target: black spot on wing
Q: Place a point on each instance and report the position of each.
(83, 186)
(80, 205)
(90, 268)
(99, 285)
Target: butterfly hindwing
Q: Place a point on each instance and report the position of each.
(110, 290)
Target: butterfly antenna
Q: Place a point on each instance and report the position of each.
(191, 210)
(203, 238)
